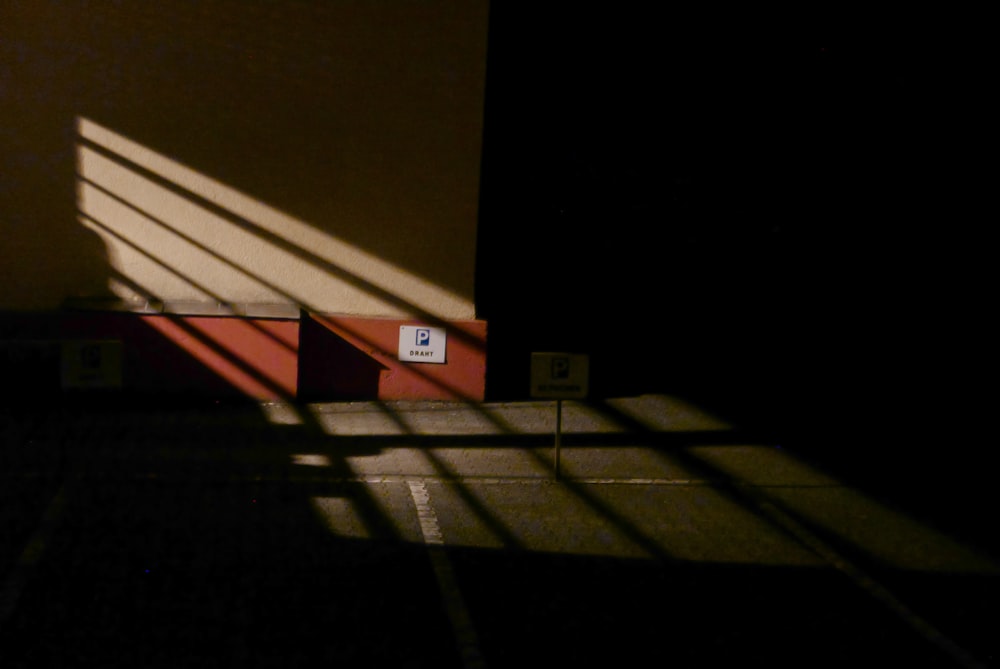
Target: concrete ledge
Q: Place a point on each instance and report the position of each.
(186, 308)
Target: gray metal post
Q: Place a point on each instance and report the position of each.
(558, 433)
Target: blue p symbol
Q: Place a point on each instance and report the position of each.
(423, 337)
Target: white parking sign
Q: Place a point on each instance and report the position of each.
(422, 343)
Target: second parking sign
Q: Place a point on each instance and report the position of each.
(559, 375)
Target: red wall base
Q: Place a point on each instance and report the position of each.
(213, 356)
(346, 357)
(317, 357)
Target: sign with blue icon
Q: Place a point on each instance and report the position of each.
(422, 343)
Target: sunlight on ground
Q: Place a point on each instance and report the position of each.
(724, 502)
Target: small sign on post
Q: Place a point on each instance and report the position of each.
(559, 376)
(91, 364)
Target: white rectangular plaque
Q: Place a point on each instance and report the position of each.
(422, 343)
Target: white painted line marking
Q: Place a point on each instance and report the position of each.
(461, 623)
(871, 586)
(19, 576)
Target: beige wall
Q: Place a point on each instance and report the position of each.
(319, 153)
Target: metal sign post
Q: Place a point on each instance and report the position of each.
(559, 376)
(558, 434)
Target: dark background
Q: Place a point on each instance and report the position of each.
(783, 221)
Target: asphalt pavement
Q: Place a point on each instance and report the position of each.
(446, 534)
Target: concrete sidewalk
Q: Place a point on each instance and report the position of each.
(37, 438)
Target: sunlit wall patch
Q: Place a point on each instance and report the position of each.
(185, 235)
